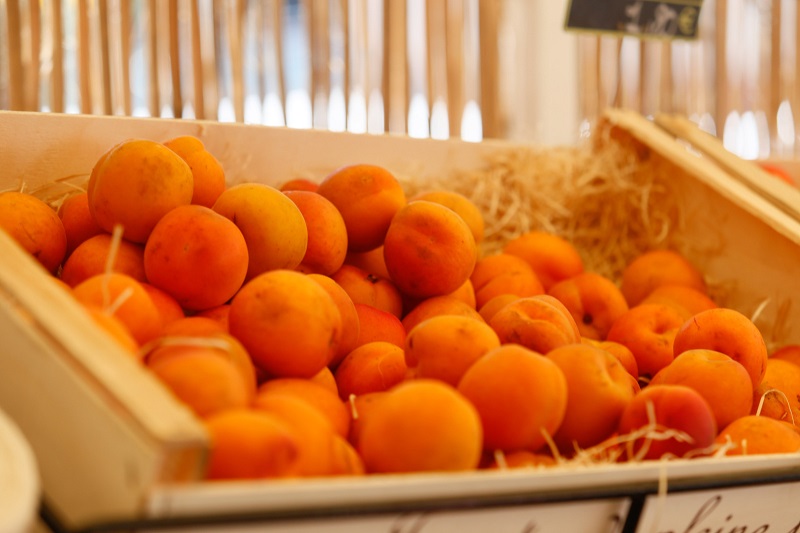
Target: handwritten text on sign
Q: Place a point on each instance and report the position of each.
(653, 18)
(601, 516)
(758, 509)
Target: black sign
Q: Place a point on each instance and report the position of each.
(675, 19)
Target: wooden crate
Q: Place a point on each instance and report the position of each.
(117, 452)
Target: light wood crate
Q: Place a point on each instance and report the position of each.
(116, 451)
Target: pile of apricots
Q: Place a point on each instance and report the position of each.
(341, 327)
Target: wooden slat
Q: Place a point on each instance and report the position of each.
(198, 87)
(57, 74)
(16, 76)
(125, 23)
(175, 58)
(397, 67)
(588, 79)
(721, 64)
(32, 71)
(489, 19)
(454, 31)
(319, 32)
(437, 59)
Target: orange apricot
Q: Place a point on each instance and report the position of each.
(552, 257)
(540, 323)
(438, 306)
(686, 299)
(202, 380)
(667, 421)
(351, 326)
(463, 206)
(499, 274)
(78, 222)
(374, 366)
(134, 184)
(35, 226)
(197, 256)
(723, 382)
(730, 332)
(622, 353)
(250, 444)
(370, 261)
(114, 327)
(368, 197)
(429, 250)
(521, 459)
(465, 293)
(321, 398)
(193, 326)
(488, 310)
(207, 172)
(168, 307)
(287, 322)
(326, 379)
(361, 405)
(598, 391)
(327, 235)
(369, 289)
(654, 268)
(520, 396)
(648, 331)
(755, 435)
(377, 325)
(421, 426)
(594, 301)
(314, 432)
(345, 459)
(125, 298)
(444, 347)
(787, 352)
(272, 225)
(778, 394)
(92, 256)
(218, 313)
(299, 184)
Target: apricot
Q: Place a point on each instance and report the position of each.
(598, 391)
(218, 313)
(551, 256)
(429, 250)
(521, 459)
(114, 327)
(374, 366)
(787, 352)
(438, 306)
(299, 184)
(314, 432)
(499, 274)
(136, 183)
(648, 331)
(723, 382)
(326, 379)
(755, 435)
(220, 344)
(369, 289)
(667, 421)
(78, 222)
(328, 403)
(168, 307)
(250, 444)
(92, 257)
(686, 299)
(463, 206)
(193, 326)
(272, 225)
(488, 310)
(370, 261)
(376, 325)
(202, 380)
(654, 268)
(465, 293)
(444, 347)
(287, 322)
(622, 353)
(35, 226)
(730, 332)
(197, 256)
(361, 405)
(520, 395)
(593, 300)
(778, 394)
(540, 323)
(327, 234)
(368, 197)
(207, 172)
(421, 426)
(123, 297)
(345, 459)
(351, 326)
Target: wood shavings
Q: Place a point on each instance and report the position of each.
(611, 201)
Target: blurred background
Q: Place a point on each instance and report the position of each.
(469, 69)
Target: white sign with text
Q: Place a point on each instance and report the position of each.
(769, 508)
